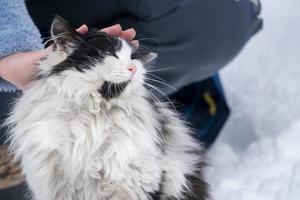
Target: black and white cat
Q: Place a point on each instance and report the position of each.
(88, 129)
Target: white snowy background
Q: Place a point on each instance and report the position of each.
(257, 156)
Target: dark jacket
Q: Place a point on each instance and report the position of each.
(193, 38)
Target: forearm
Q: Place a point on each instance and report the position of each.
(19, 68)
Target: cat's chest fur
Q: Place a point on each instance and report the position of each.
(83, 149)
(114, 145)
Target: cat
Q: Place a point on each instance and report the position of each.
(87, 128)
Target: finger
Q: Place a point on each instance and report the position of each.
(135, 43)
(82, 29)
(114, 30)
(128, 35)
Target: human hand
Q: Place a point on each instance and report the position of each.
(115, 30)
(128, 34)
(20, 68)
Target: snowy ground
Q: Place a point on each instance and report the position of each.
(257, 156)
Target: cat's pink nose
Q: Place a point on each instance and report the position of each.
(132, 69)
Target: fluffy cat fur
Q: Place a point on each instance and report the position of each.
(88, 129)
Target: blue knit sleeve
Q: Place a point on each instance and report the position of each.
(17, 30)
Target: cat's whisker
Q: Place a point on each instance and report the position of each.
(163, 94)
(161, 69)
(155, 76)
(54, 38)
(157, 81)
(119, 89)
(43, 38)
(153, 39)
(107, 93)
(155, 97)
(110, 89)
(144, 47)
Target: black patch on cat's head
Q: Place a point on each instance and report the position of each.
(111, 90)
(83, 50)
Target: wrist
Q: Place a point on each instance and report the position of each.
(5, 70)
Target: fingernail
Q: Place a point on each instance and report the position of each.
(135, 43)
(84, 28)
(118, 25)
(130, 30)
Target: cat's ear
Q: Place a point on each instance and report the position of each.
(64, 35)
(150, 57)
(143, 55)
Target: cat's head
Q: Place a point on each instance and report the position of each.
(94, 62)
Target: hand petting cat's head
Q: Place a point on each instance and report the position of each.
(94, 62)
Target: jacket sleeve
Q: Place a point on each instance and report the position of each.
(17, 30)
(147, 10)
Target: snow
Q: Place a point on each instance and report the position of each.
(257, 156)
(267, 170)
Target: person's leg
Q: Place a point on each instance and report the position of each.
(11, 181)
(6, 101)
